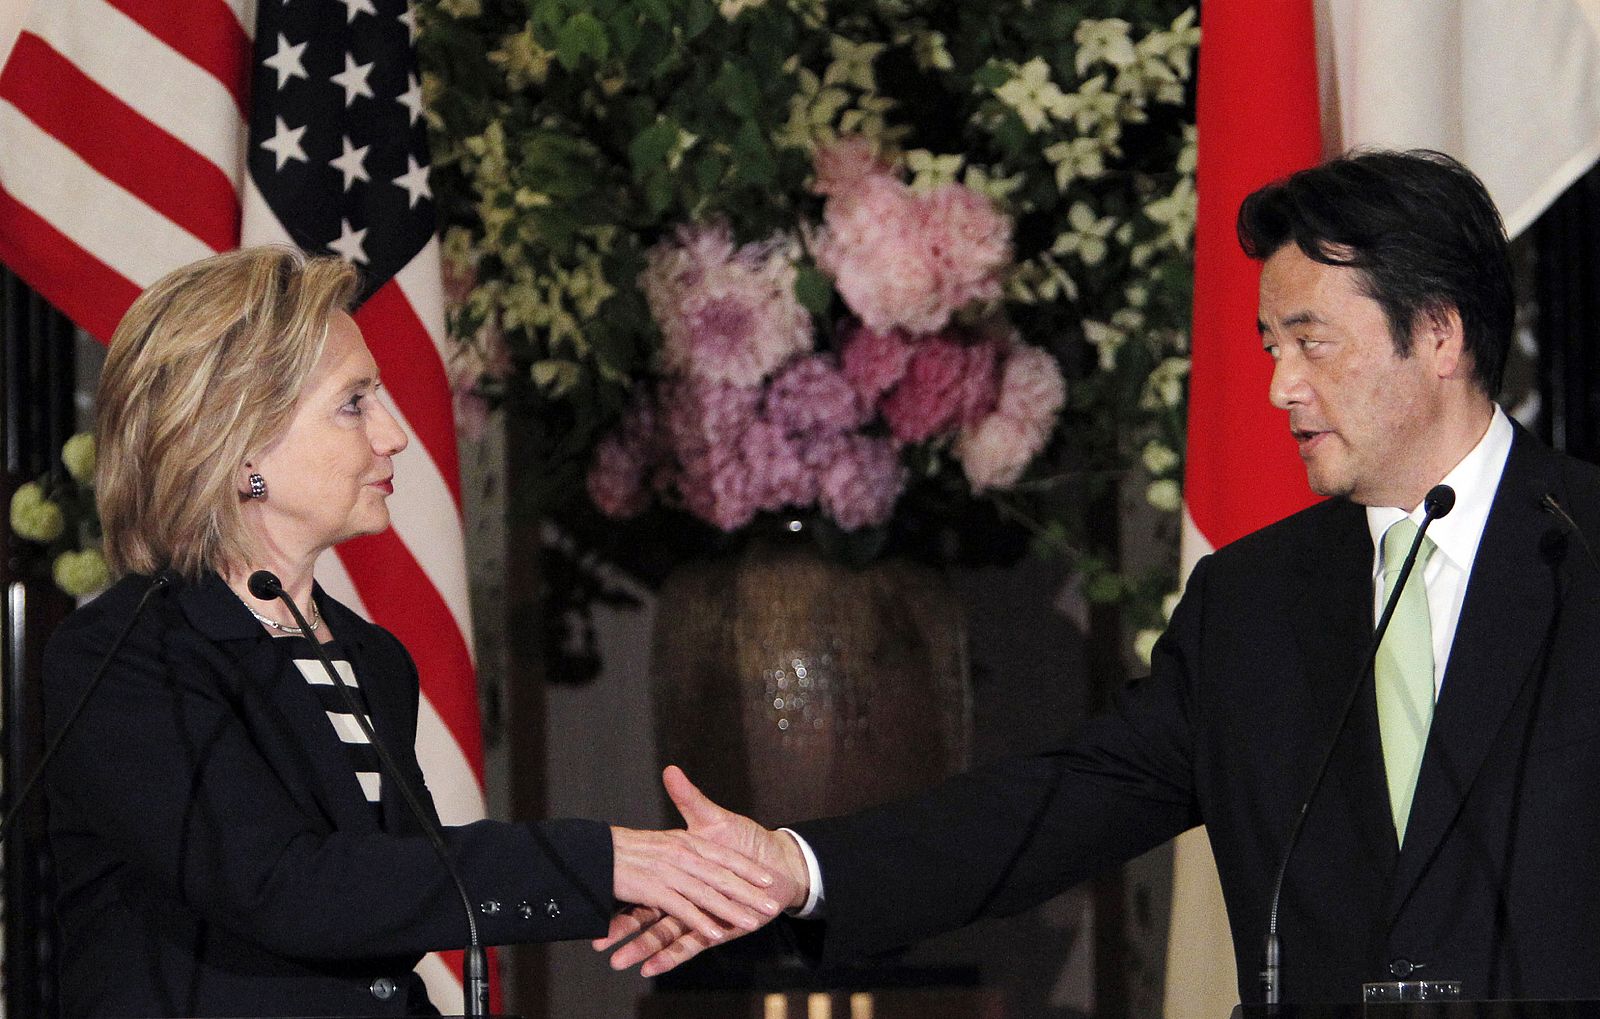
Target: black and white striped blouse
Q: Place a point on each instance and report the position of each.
(362, 755)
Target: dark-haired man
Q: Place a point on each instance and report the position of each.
(1458, 832)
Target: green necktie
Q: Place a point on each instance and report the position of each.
(1404, 672)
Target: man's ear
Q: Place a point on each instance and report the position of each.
(1438, 333)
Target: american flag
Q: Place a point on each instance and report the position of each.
(140, 135)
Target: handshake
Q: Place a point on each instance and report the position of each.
(721, 877)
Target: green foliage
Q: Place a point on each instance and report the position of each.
(571, 135)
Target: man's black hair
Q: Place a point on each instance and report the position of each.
(1419, 227)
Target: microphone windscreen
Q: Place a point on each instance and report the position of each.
(1441, 499)
(264, 584)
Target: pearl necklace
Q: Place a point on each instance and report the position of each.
(293, 631)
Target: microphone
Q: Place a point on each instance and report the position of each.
(1439, 501)
(475, 969)
(157, 583)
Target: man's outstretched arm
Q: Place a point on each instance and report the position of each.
(661, 941)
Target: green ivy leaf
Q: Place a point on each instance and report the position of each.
(698, 17)
(813, 290)
(649, 148)
(659, 11)
(991, 76)
(582, 36)
(708, 172)
(1103, 588)
(658, 192)
(753, 156)
(738, 90)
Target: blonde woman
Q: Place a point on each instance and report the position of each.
(226, 842)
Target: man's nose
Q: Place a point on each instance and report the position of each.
(1288, 386)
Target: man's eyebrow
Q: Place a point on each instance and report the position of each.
(1299, 318)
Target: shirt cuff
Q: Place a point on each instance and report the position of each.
(813, 907)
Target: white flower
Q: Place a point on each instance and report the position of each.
(1080, 157)
(1175, 212)
(1128, 319)
(1106, 339)
(1158, 457)
(522, 59)
(1040, 280)
(1144, 644)
(852, 63)
(1164, 386)
(1103, 41)
(929, 171)
(1087, 238)
(731, 9)
(1090, 107)
(811, 112)
(929, 49)
(1189, 155)
(998, 189)
(1164, 495)
(1033, 96)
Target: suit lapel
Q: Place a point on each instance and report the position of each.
(285, 720)
(1332, 620)
(1500, 639)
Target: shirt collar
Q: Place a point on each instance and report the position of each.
(1475, 480)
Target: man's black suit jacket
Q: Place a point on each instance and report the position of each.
(215, 854)
(1498, 884)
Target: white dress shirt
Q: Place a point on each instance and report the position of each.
(1454, 536)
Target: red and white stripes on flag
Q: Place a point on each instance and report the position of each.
(126, 151)
(1257, 117)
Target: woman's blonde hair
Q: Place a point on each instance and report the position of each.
(202, 376)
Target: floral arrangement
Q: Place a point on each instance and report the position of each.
(718, 257)
(56, 516)
(748, 416)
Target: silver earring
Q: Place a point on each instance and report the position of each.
(258, 486)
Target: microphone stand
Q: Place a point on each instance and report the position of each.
(1440, 500)
(157, 583)
(475, 969)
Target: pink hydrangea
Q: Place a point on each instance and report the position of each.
(873, 243)
(842, 166)
(726, 313)
(1032, 390)
(948, 383)
(722, 493)
(809, 396)
(862, 482)
(970, 243)
(996, 450)
(874, 361)
(776, 463)
(624, 461)
(904, 260)
(704, 421)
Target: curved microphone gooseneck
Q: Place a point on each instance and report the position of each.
(157, 583)
(475, 970)
(1440, 500)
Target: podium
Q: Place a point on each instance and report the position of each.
(889, 1003)
(1437, 1009)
